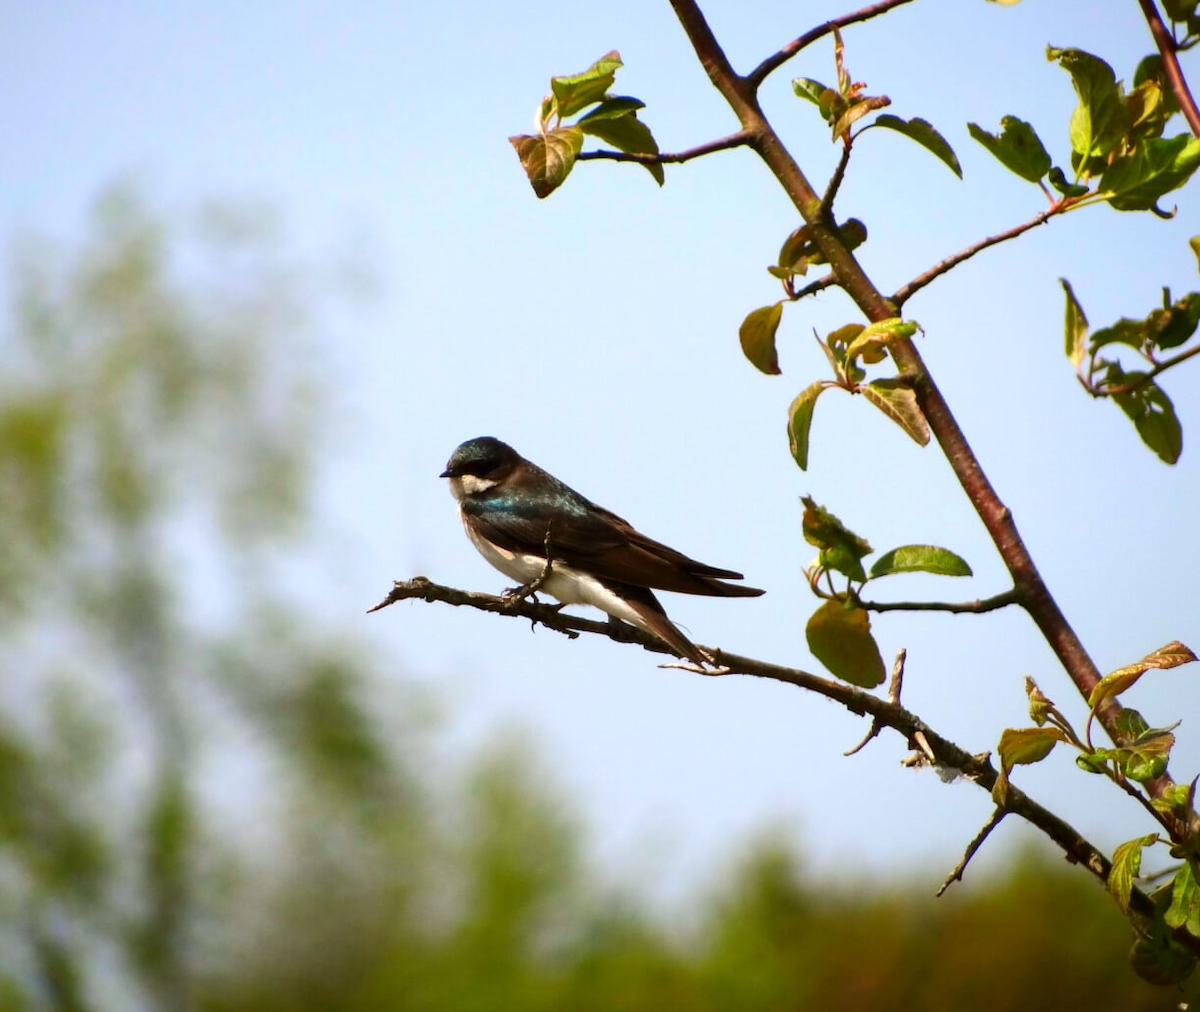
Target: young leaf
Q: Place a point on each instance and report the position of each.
(757, 334)
(1184, 911)
(895, 398)
(1126, 863)
(1194, 242)
(875, 337)
(549, 157)
(1156, 166)
(1113, 684)
(919, 559)
(1172, 326)
(807, 88)
(1059, 181)
(856, 111)
(613, 108)
(923, 132)
(576, 92)
(1022, 747)
(1027, 745)
(1153, 415)
(1100, 120)
(1040, 704)
(840, 638)
(800, 421)
(1018, 147)
(1076, 327)
(841, 549)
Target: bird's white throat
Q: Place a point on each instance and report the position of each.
(470, 484)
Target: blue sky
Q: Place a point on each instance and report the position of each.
(597, 332)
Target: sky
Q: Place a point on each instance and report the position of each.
(596, 331)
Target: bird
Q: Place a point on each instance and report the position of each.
(539, 531)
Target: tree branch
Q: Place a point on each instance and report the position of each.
(737, 140)
(942, 266)
(1034, 595)
(980, 607)
(777, 60)
(1168, 49)
(941, 751)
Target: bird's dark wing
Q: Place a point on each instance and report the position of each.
(597, 541)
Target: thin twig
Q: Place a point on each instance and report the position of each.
(942, 266)
(759, 74)
(963, 608)
(1128, 388)
(998, 813)
(737, 140)
(895, 686)
(1168, 49)
(835, 181)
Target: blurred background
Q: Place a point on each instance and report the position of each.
(266, 266)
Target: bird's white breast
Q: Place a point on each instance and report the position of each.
(570, 586)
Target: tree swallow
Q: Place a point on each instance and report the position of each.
(518, 516)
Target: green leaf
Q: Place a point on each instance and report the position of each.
(1093, 762)
(1059, 181)
(1172, 326)
(1027, 745)
(800, 421)
(1194, 242)
(799, 250)
(895, 398)
(841, 549)
(1018, 147)
(1100, 120)
(1076, 326)
(1155, 167)
(1140, 767)
(873, 339)
(808, 89)
(1126, 864)
(1153, 415)
(625, 132)
(1172, 655)
(919, 559)
(923, 132)
(1159, 959)
(548, 158)
(1184, 911)
(1130, 724)
(757, 334)
(576, 92)
(839, 636)
(612, 108)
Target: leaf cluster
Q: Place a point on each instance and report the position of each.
(1118, 151)
(839, 631)
(1135, 391)
(549, 155)
(1139, 757)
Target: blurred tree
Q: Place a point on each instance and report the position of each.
(208, 803)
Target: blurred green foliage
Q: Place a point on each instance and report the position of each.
(209, 803)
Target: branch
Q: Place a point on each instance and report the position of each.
(964, 608)
(942, 266)
(941, 751)
(737, 140)
(771, 63)
(1168, 49)
(997, 518)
